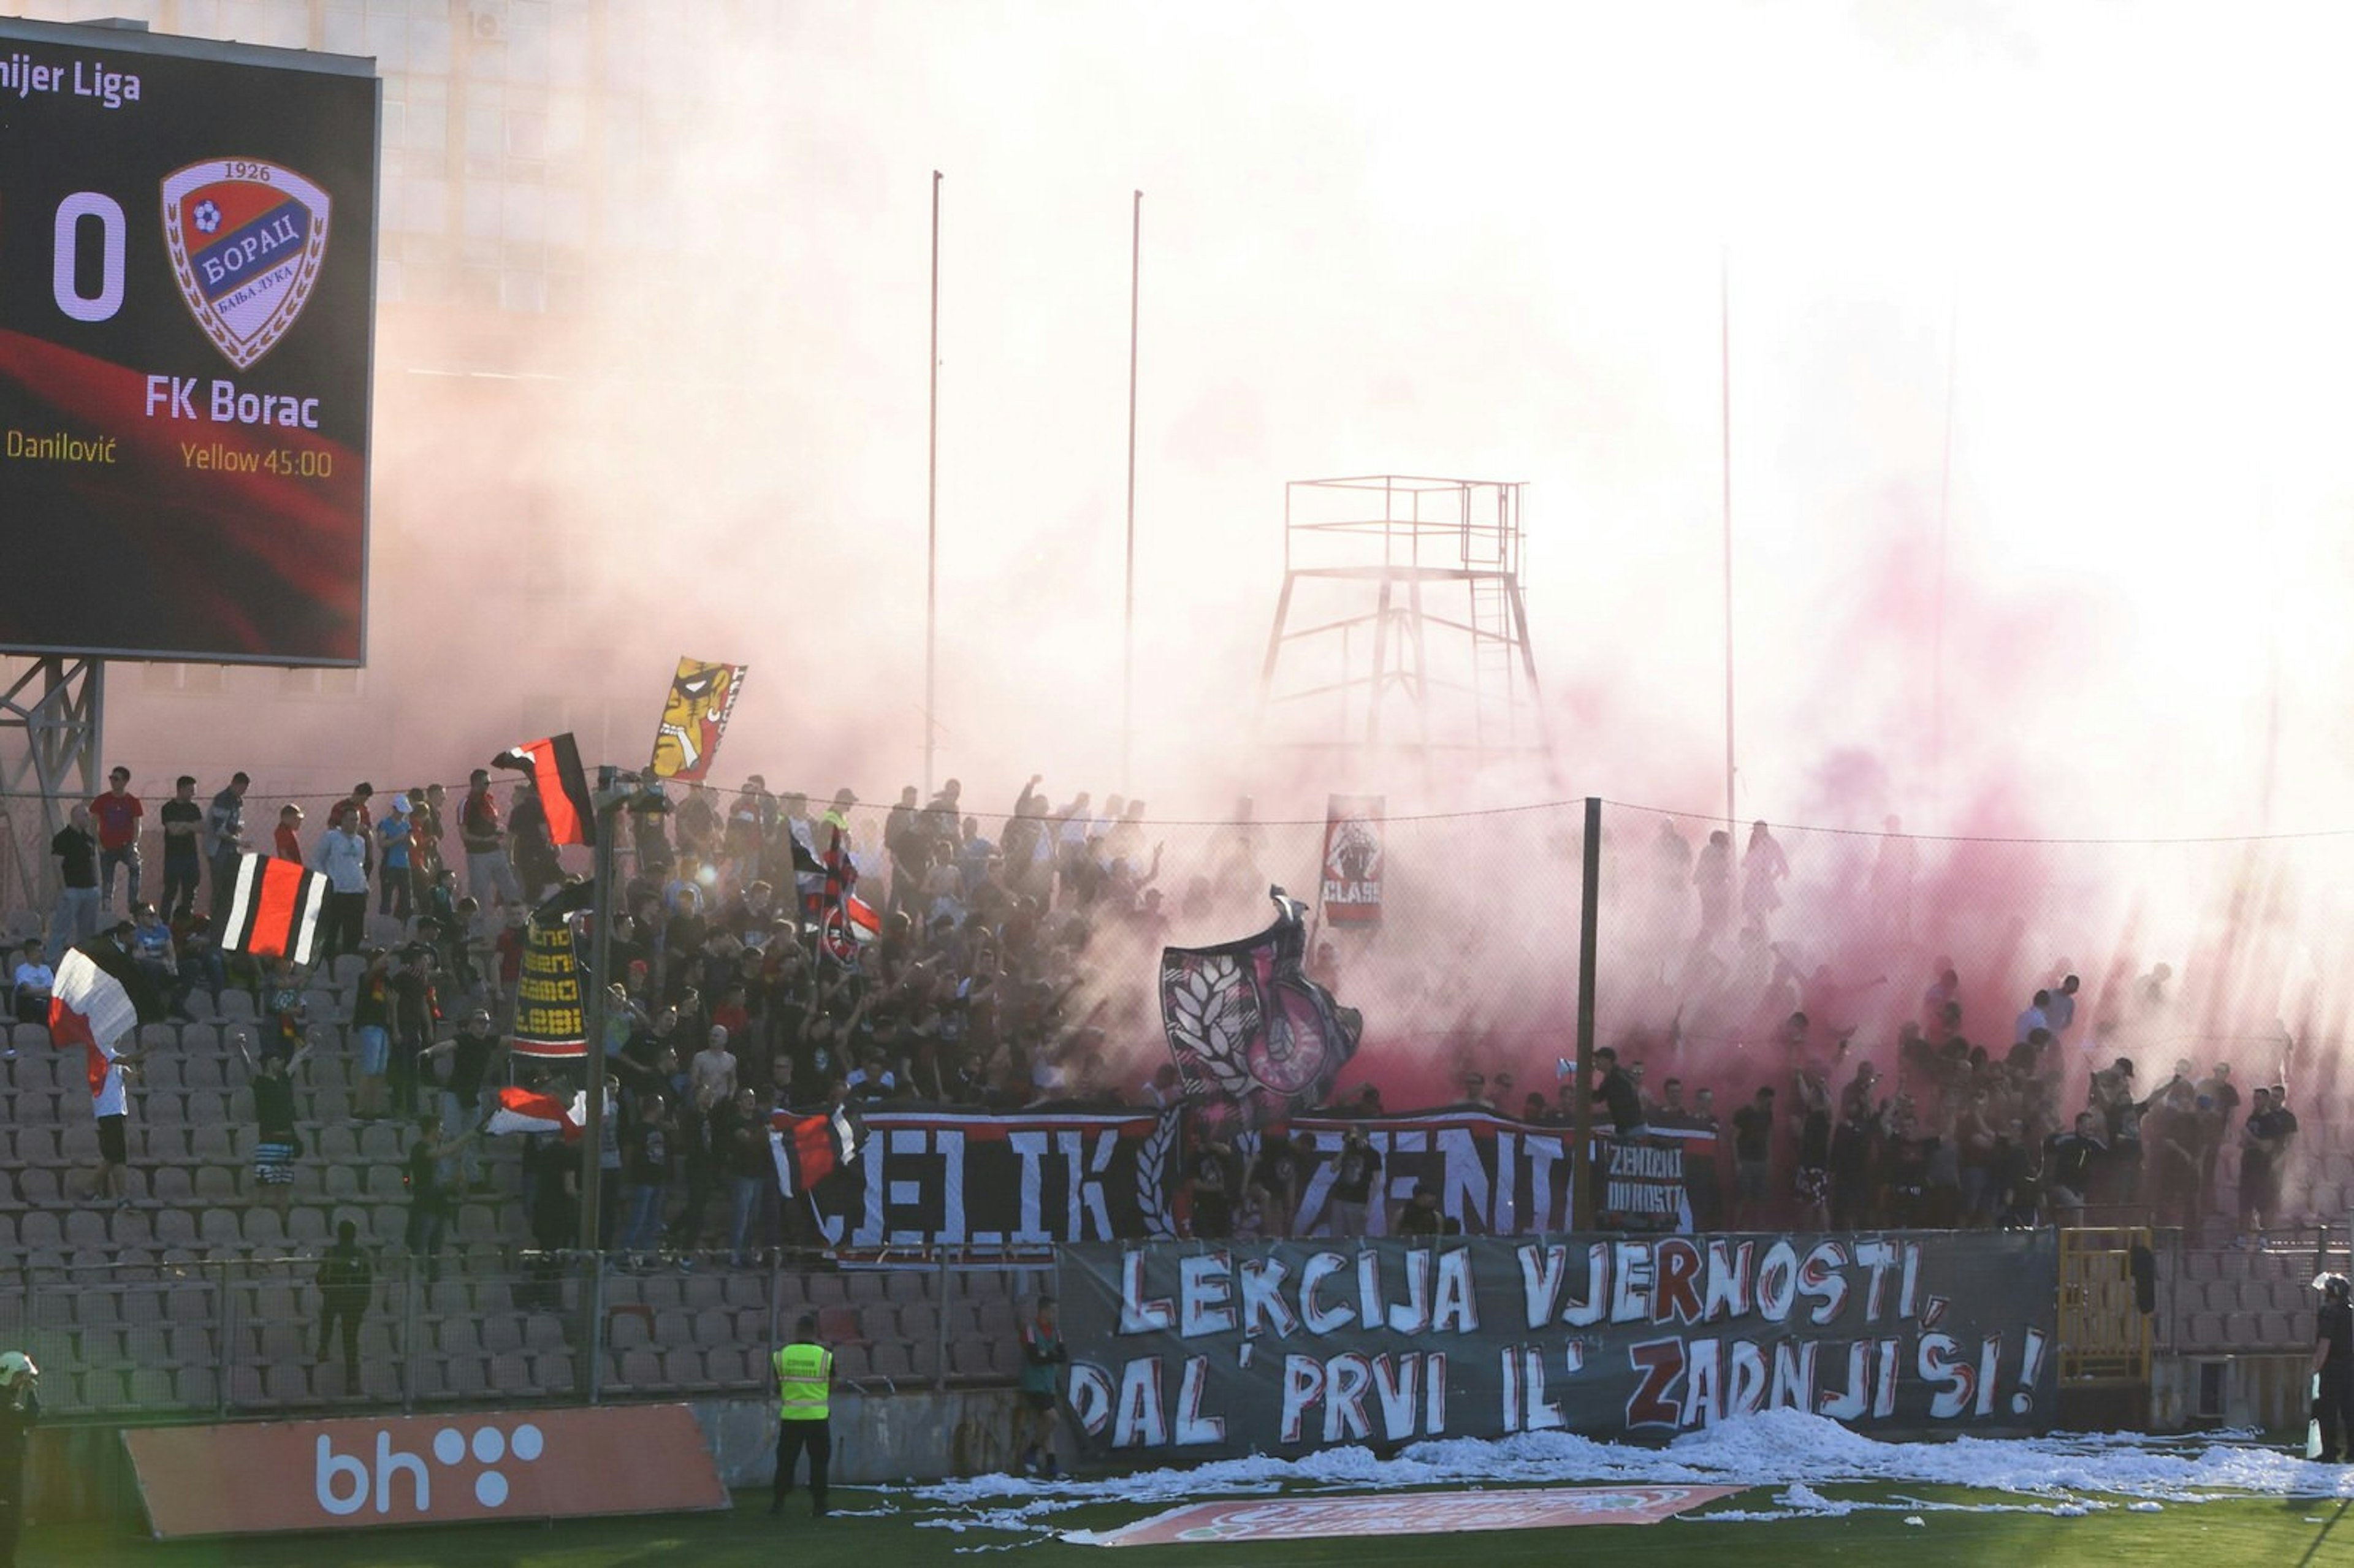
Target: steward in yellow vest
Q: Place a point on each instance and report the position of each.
(804, 1371)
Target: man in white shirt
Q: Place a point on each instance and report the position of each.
(2033, 1019)
(111, 1106)
(342, 856)
(32, 980)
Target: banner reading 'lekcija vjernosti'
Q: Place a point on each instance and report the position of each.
(1283, 1347)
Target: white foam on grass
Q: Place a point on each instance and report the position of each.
(2064, 1474)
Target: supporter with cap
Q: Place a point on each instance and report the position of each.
(20, 1407)
(395, 889)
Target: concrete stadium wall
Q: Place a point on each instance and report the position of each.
(2272, 1393)
(914, 1436)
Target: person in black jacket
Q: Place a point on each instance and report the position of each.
(2333, 1367)
(345, 1281)
(20, 1407)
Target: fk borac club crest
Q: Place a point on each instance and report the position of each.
(247, 238)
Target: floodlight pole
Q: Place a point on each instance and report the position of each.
(1581, 1114)
(932, 507)
(1127, 617)
(592, 1124)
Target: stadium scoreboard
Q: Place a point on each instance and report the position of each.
(187, 279)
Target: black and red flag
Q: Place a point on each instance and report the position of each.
(809, 1149)
(554, 767)
(273, 911)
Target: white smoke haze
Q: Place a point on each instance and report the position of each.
(1485, 244)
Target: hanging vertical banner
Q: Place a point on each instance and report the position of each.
(1352, 860)
(694, 716)
(550, 1020)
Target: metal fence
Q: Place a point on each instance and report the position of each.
(228, 1338)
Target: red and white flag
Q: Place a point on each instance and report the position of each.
(274, 909)
(94, 1004)
(528, 1110)
(809, 1149)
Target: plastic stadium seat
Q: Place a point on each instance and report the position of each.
(237, 1006)
(160, 1072)
(152, 1391)
(190, 1304)
(288, 1385)
(159, 1037)
(100, 1345)
(458, 1337)
(198, 1388)
(746, 1288)
(219, 1227)
(673, 1328)
(552, 1372)
(511, 1374)
(635, 1369)
(199, 1071)
(477, 1222)
(924, 1359)
(106, 1390)
(245, 1389)
(544, 1332)
(890, 1362)
(840, 1326)
(685, 1369)
(628, 1329)
(727, 1366)
(825, 1289)
(264, 1228)
(851, 1362)
(40, 1229)
(285, 1342)
(864, 1287)
(190, 1347)
(467, 1377)
(502, 1332)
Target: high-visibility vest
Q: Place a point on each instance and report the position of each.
(805, 1373)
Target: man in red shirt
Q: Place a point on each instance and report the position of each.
(117, 814)
(489, 877)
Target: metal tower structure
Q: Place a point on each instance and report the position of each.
(1401, 626)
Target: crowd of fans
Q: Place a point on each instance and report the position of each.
(1012, 964)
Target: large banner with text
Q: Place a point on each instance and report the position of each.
(1198, 1351)
(1019, 1181)
(1027, 1181)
